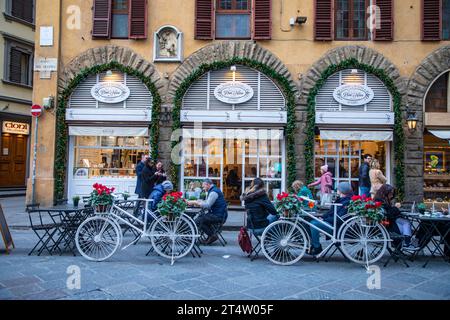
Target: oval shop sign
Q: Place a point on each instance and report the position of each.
(110, 92)
(233, 92)
(353, 95)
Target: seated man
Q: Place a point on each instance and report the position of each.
(345, 194)
(217, 210)
(157, 194)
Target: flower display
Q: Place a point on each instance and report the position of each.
(288, 204)
(172, 204)
(366, 207)
(101, 197)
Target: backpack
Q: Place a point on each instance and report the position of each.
(244, 240)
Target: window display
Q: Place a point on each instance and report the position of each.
(108, 156)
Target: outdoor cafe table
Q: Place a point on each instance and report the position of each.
(433, 226)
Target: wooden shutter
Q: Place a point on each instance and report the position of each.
(431, 20)
(204, 17)
(101, 27)
(323, 23)
(15, 66)
(386, 30)
(138, 19)
(262, 19)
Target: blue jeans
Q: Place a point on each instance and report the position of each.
(315, 234)
(272, 218)
(364, 191)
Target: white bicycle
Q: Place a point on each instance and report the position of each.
(99, 237)
(285, 241)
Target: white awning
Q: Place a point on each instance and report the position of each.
(356, 135)
(241, 134)
(441, 134)
(108, 131)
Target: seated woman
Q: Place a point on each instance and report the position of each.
(397, 224)
(302, 191)
(345, 194)
(260, 211)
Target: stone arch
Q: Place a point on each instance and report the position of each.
(424, 76)
(223, 51)
(363, 55)
(107, 54)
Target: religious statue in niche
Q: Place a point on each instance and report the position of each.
(168, 44)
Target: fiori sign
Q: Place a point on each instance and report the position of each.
(15, 127)
(353, 95)
(110, 92)
(233, 92)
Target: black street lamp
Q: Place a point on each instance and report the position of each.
(411, 120)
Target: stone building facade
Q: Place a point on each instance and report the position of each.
(292, 53)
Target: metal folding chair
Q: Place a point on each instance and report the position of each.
(395, 249)
(47, 226)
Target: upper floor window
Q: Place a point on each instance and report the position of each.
(233, 19)
(435, 20)
(351, 19)
(18, 63)
(22, 10)
(437, 97)
(120, 19)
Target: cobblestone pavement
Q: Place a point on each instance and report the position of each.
(223, 273)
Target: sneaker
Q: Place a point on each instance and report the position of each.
(315, 251)
(410, 247)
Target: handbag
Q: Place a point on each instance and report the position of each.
(244, 239)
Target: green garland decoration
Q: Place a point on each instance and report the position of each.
(282, 82)
(61, 126)
(399, 138)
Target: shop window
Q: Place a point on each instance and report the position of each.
(18, 63)
(108, 156)
(119, 19)
(345, 157)
(20, 10)
(437, 97)
(437, 169)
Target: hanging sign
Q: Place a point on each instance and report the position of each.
(15, 127)
(353, 95)
(110, 92)
(233, 92)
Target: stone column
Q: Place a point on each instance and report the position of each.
(44, 88)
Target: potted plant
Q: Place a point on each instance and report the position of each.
(421, 207)
(203, 196)
(76, 201)
(288, 204)
(101, 198)
(125, 195)
(172, 205)
(367, 208)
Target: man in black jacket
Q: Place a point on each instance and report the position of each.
(148, 179)
(364, 178)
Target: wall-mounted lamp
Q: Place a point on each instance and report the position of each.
(233, 69)
(297, 20)
(109, 73)
(411, 120)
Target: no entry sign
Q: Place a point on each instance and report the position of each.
(36, 110)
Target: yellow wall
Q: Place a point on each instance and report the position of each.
(21, 31)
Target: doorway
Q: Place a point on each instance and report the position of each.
(13, 160)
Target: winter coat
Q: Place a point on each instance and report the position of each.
(148, 181)
(341, 210)
(139, 167)
(377, 179)
(156, 195)
(325, 181)
(258, 207)
(364, 179)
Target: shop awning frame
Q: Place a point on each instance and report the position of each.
(357, 135)
(108, 131)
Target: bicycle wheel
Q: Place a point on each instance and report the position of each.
(363, 243)
(173, 239)
(284, 242)
(98, 238)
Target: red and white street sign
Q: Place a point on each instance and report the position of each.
(36, 110)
